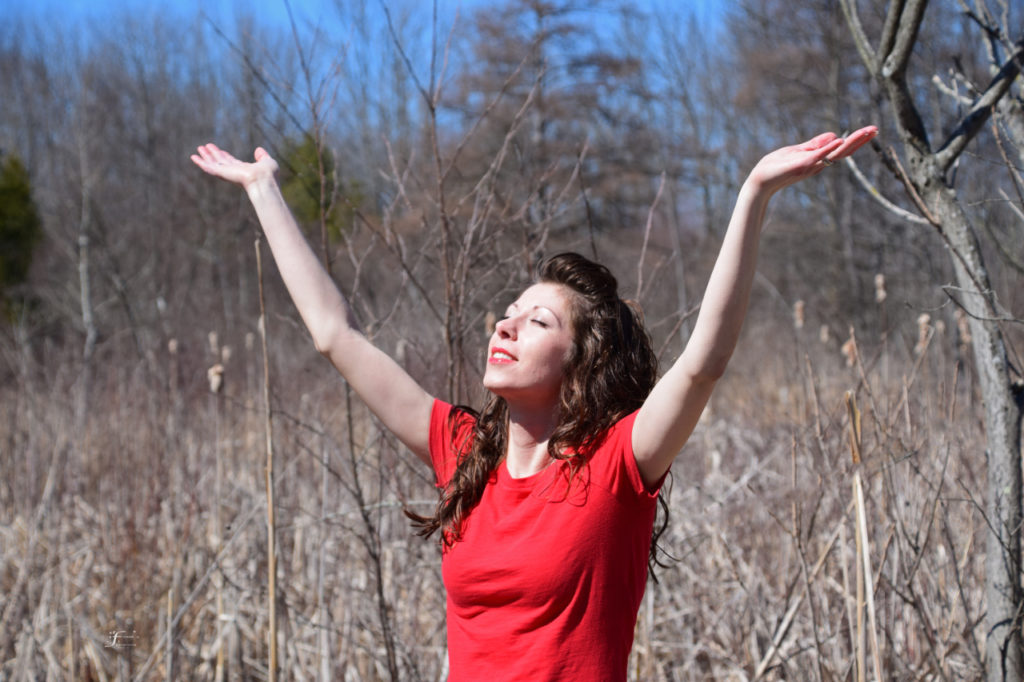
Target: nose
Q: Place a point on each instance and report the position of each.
(506, 328)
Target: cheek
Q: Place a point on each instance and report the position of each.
(568, 358)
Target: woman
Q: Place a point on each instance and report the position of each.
(548, 496)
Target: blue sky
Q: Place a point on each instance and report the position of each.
(271, 11)
(85, 18)
(222, 11)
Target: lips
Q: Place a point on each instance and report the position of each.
(501, 356)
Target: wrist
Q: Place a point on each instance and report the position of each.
(260, 187)
(756, 191)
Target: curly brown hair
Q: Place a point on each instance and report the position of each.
(608, 375)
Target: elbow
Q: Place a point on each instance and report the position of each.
(334, 341)
(710, 374)
(709, 369)
(324, 340)
(322, 347)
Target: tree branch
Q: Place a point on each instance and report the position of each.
(950, 91)
(1015, 177)
(885, 43)
(973, 121)
(893, 162)
(896, 60)
(860, 38)
(876, 194)
(895, 51)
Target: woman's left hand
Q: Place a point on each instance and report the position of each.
(789, 165)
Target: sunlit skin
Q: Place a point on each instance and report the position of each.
(529, 347)
(526, 359)
(526, 377)
(528, 350)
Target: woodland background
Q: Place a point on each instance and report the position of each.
(434, 157)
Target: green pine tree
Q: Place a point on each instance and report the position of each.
(20, 227)
(300, 185)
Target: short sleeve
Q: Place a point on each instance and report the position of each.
(616, 463)
(441, 456)
(445, 445)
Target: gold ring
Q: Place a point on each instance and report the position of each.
(827, 161)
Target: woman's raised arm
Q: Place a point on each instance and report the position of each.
(670, 413)
(387, 389)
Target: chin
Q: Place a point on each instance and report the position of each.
(492, 387)
(497, 388)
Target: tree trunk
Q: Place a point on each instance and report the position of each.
(927, 183)
(1003, 595)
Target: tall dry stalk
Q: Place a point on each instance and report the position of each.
(271, 521)
(215, 376)
(169, 661)
(787, 620)
(865, 587)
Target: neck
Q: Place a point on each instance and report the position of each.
(528, 435)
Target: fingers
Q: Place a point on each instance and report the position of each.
(205, 156)
(215, 161)
(867, 132)
(202, 159)
(859, 138)
(828, 149)
(221, 164)
(819, 140)
(214, 154)
(850, 144)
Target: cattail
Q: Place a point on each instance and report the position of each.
(214, 346)
(923, 333)
(880, 293)
(824, 334)
(962, 329)
(849, 351)
(490, 322)
(215, 375)
(225, 354)
(250, 340)
(798, 314)
(172, 346)
(401, 350)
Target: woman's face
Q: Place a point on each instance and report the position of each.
(530, 345)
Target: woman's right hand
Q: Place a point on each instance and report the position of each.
(384, 385)
(221, 164)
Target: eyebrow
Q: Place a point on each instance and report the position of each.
(537, 307)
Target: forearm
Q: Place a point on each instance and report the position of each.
(727, 296)
(317, 298)
(390, 393)
(670, 413)
(386, 388)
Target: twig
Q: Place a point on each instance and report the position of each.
(780, 632)
(271, 521)
(908, 184)
(647, 236)
(876, 194)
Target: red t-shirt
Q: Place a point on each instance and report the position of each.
(547, 579)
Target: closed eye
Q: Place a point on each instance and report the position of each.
(542, 323)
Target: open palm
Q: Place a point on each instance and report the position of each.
(789, 165)
(221, 164)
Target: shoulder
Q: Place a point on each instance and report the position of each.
(614, 463)
(451, 432)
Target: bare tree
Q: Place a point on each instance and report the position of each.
(927, 170)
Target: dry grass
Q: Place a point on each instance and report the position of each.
(126, 540)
